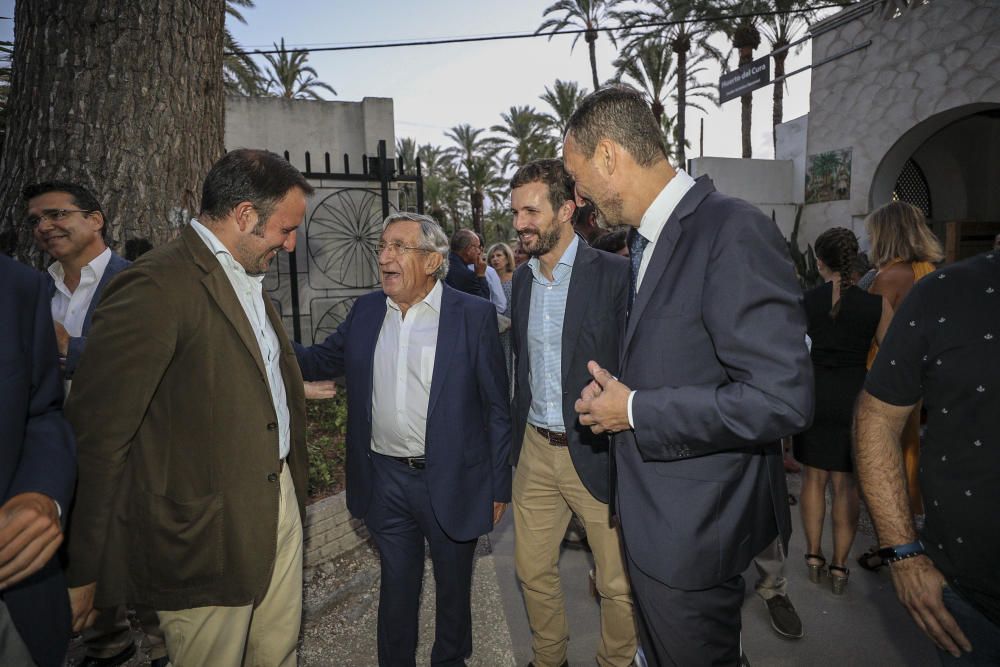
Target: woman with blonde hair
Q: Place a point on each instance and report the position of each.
(904, 250)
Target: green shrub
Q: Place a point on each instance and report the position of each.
(326, 425)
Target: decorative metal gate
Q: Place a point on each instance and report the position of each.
(334, 261)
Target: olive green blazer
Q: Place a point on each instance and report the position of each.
(177, 499)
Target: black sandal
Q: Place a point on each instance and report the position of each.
(871, 561)
(816, 570)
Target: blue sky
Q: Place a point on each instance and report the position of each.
(437, 87)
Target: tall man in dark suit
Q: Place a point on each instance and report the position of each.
(193, 468)
(68, 224)
(428, 432)
(713, 371)
(37, 471)
(569, 307)
(466, 250)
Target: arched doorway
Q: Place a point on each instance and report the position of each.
(949, 165)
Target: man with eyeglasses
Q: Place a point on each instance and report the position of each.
(68, 224)
(466, 250)
(428, 432)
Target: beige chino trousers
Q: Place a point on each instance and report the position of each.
(261, 636)
(546, 491)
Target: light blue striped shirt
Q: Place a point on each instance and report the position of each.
(545, 329)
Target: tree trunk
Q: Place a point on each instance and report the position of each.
(679, 130)
(779, 95)
(591, 37)
(477, 200)
(122, 96)
(746, 101)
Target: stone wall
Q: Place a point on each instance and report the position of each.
(330, 531)
(929, 61)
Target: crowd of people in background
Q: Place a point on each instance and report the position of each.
(636, 356)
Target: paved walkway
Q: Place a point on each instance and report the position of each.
(866, 626)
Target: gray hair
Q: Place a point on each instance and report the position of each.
(432, 237)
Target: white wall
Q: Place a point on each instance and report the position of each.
(297, 126)
(932, 60)
(765, 183)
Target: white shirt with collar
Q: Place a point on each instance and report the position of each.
(70, 307)
(402, 374)
(250, 292)
(656, 216)
(652, 224)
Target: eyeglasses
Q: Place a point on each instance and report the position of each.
(396, 248)
(53, 215)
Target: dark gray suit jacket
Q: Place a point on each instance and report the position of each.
(715, 348)
(592, 329)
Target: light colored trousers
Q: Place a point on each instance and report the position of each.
(261, 636)
(547, 490)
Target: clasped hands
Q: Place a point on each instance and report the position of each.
(603, 403)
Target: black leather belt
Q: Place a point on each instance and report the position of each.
(415, 462)
(556, 438)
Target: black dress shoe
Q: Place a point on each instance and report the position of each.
(160, 662)
(119, 658)
(565, 664)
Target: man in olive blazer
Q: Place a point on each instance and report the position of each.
(189, 411)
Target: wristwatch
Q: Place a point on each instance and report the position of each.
(901, 552)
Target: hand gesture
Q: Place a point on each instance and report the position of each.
(603, 404)
(479, 265)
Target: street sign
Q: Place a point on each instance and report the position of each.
(746, 79)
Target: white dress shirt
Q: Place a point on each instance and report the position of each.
(69, 308)
(404, 368)
(652, 224)
(250, 292)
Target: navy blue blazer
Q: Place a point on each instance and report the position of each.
(467, 443)
(77, 343)
(715, 349)
(592, 330)
(37, 450)
(464, 279)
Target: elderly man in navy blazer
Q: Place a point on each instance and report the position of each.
(37, 472)
(428, 432)
(713, 372)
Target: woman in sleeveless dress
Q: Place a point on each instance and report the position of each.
(843, 321)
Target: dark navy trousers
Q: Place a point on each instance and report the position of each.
(400, 519)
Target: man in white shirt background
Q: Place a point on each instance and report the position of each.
(68, 224)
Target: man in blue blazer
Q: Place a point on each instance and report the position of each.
(68, 225)
(37, 473)
(569, 308)
(466, 250)
(713, 371)
(428, 432)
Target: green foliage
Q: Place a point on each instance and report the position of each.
(805, 262)
(290, 77)
(326, 427)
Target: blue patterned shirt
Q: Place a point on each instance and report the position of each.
(545, 328)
